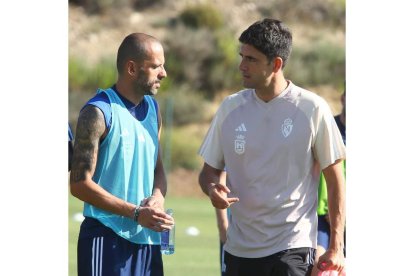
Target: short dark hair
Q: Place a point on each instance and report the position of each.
(269, 36)
(133, 47)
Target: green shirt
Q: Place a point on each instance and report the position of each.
(323, 193)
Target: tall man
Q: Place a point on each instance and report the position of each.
(269, 138)
(117, 170)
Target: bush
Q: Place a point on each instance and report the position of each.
(321, 63)
(78, 74)
(222, 68)
(144, 4)
(313, 12)
(180, 150)
(83, 77)
(183, 105)
(206, 60)
(99, 6)
(185, 56)
(202, 16)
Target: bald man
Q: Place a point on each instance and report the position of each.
(117, 169)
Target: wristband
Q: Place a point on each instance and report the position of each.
(136, 213)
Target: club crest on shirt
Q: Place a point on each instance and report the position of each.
(239, 144)
(287, 127)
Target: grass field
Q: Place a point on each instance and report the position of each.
(193, 255)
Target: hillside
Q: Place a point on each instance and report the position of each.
(93, 37)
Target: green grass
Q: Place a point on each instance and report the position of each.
(193, 255)
(75, 206)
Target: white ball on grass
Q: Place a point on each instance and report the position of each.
(192, 231)
(78, 217)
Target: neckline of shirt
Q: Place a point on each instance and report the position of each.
(128, 104)
(275, 99)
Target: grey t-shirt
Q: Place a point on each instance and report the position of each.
(269, 151)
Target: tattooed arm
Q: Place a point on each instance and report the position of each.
(90, 130)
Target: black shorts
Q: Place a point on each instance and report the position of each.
(290, 262)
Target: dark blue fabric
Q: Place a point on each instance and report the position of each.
(221, 258)
(102, 252)
(70, 133)
(70, 148)
(101, 101)
(323, 232)
(341, 127)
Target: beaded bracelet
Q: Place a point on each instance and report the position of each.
(136, 213)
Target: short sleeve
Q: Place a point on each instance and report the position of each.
(328, 144)
(211, 148)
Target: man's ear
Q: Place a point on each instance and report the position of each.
(277, 64)
(131, 67)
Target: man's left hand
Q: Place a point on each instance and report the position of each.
(332, 260)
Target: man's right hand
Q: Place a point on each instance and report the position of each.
(218, 196)
(155, 219)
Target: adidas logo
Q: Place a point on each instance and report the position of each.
(241, 128)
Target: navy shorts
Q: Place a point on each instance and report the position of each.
(101, 252)
(221, 258)
(290, 262)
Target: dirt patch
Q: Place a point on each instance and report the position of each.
(182, 182)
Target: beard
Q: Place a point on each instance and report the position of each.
(150, 87)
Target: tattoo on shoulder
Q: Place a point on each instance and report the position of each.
(90, 128)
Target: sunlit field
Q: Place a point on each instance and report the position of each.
(194, 255)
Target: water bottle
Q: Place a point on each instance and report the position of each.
(168, 238)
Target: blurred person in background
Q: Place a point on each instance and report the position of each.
(70, 149)
(269, 137)
(323, 215)
(222, 217)
(117, 170)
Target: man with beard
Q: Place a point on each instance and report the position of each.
(117, 169)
